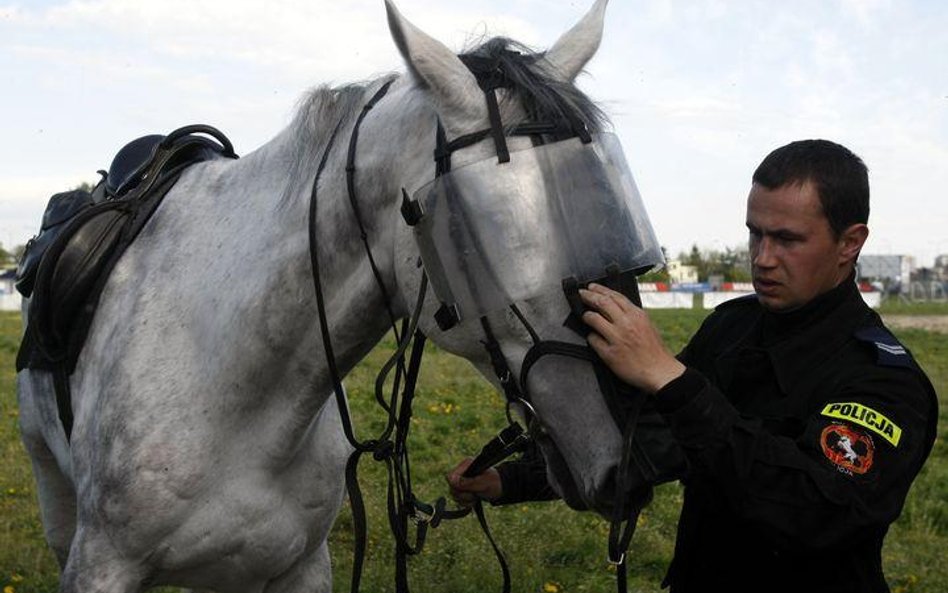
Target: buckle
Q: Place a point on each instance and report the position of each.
(530, 416)
(420, 517)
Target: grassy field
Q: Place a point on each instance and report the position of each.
(551, 548)
(896, 306)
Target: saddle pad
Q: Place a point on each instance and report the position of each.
(61, 208)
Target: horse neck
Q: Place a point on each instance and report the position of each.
(358, 307)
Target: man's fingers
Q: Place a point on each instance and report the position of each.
(618, 298)
(598, 343)
(599, 324)
(603, 303)
(455, 478)
(463, 499)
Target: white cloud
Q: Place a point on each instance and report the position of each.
(699, 91)
(295, 36)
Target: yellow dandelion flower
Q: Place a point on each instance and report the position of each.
(9, 589)
(434, 409)
(16, 578)
(551, 587)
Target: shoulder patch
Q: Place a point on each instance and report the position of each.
(866, 417)
(850, 450)
(889, 352)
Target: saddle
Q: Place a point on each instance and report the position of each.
(83, 234)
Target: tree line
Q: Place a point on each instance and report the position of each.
(9, 258)
(730, 265)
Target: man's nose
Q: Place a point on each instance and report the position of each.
(764, 256)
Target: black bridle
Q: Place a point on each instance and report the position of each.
(624, 409)
(390, 447)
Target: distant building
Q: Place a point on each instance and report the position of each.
(894, 272)
(9, 297)
(941, 267)
(679, 272)
(7, 280)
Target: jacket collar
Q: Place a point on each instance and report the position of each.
(799, 341)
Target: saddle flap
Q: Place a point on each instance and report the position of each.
(69, 272)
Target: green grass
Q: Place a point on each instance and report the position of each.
(547, 544)
(897, 306)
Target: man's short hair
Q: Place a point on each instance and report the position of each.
(840, 177)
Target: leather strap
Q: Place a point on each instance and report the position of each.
(391, 447)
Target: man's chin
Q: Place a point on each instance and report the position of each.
(776, 304)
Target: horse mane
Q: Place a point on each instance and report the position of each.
(544, 95)
(316, 117)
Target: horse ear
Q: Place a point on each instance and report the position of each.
(437, 68)
(576, 47)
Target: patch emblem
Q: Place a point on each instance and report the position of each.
(849, 449)
(865, 417)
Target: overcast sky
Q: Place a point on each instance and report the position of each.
(699, 91)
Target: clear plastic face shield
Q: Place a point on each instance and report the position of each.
(494, 233)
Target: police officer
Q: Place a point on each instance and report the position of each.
(802, 420)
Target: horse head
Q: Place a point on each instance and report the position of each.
(580, 439)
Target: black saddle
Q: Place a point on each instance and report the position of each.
(65, 267)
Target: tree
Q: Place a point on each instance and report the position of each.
(7, 259)
(732, 264)
(660, 275)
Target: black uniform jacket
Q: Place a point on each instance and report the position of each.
(802, 433)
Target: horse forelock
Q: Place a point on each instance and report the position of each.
(545, 96)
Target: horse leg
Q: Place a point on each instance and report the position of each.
(96, 566)
(310, 574)
(57, 497)
(57, 501)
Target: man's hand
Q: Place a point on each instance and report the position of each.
(466, 491)
(627, 341)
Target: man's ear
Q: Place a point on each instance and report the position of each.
(851, 241)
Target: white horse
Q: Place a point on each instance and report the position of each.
(207, 450)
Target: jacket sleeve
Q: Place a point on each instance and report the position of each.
(524, 479)
(846, 474)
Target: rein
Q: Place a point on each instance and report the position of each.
(391, 446)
